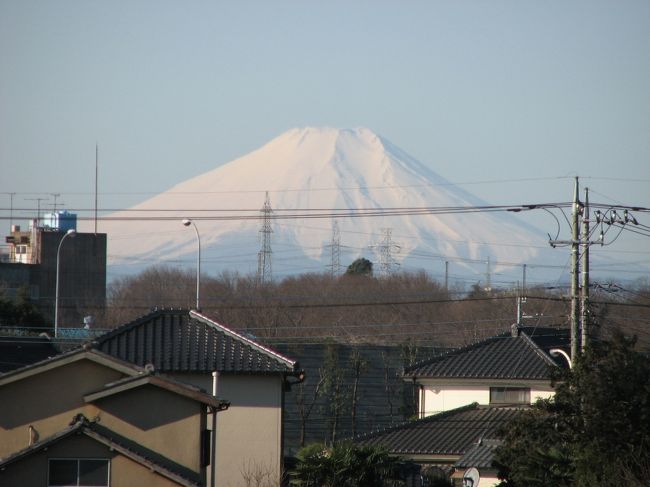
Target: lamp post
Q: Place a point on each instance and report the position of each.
(187, 222)
(69, 233)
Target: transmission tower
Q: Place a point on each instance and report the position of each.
(335, 250)
(264, 265)
(386, 247)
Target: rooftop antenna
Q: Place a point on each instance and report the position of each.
(38, 211)
(264, 265)
(11, 210)
(54, 205)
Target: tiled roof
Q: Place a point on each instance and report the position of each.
(479, 455)
(524, 356)
(450, 433)
(16, 352)
(182, 341)
(150, 459)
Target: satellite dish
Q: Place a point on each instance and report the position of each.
(471, 478)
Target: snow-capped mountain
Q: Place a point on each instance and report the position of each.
(320, 170)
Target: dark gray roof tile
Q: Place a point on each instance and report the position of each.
(450, 433)
(500, 357)
(182, 341)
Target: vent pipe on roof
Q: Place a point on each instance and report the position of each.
(515, 330)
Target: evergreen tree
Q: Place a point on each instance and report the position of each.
(595, 431)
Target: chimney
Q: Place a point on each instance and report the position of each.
(515, 330)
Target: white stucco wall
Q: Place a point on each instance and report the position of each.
(436, 398)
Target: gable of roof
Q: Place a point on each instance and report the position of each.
(76, 355)
(501, 357)
(450, 433)
(186, 390)
(130, 449)
(16, 352)
(182, 341)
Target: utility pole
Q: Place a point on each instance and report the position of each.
(264, 266)
(575, 271)
(523, 286)
(584, 317)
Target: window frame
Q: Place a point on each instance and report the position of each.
(79, 460)
(509, 400)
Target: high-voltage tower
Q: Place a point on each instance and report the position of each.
(335, 250)
(264, 264)
(386, 247)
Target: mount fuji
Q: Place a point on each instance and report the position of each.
(310, 175)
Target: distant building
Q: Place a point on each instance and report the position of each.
(30, 262)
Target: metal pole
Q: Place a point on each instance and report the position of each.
(187, 222)
(575, 270)
(69, 233)
(584, 318)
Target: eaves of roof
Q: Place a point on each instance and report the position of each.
(136, 452)
(186, 390)
(76, 355)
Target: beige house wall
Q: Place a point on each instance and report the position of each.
(160, 420)
(156, 419)
(249, 433)
(47, 402)
(124, 472)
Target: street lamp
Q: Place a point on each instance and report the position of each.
(187, 222)
(69, 233)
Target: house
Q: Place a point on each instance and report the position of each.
(467, 395)
(192, 348)
(87, 418)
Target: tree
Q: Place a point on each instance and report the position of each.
(595, 431)
(21, 312)
(345, 465)
(360, 267)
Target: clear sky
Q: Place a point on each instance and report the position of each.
(487, 93)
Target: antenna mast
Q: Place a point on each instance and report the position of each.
(264, 265)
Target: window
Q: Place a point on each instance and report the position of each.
(86, 472)
(509, 395)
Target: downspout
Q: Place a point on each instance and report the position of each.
(213, 459)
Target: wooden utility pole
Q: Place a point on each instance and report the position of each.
(584, 305)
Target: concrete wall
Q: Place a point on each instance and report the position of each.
(124, 472)
(436, 398)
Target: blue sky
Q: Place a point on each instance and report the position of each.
(508, 98)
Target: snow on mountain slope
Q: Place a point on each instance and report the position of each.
(309, 169)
